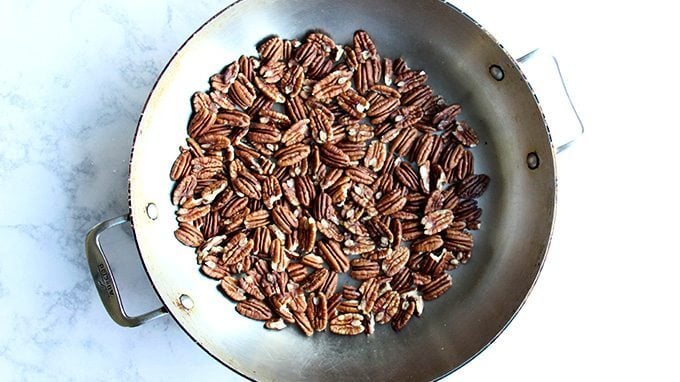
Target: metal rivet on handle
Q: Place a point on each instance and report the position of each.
(152, 211)
(533, 161)
(496, 72)
(186, 302)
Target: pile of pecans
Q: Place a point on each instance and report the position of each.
(315, 160)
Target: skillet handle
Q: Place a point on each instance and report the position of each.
(536, 56)
(104, 280)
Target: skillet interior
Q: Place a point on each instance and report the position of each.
(518, 207)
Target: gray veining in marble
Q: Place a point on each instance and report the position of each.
(71, 90)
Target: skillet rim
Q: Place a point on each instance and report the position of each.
(552, 211)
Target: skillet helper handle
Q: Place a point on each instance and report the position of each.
(558, 113)
(104, 280)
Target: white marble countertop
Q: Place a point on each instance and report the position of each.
(74, 76)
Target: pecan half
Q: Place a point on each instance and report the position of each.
(305, 190)
(284, 218)
(204, 116)
(355, 105)
(280, 260)
(465, 134)
(406, 176)
(349, 306)
(297, 109)
(271, 191)
(290, 155)
(184, 189)
(222, 81)
(321, 123)
(214, 142)
(213, 268)
(364, 269)
(456, 240)
(191, 214)
(364, 47)
(363, 196)
(306, 233)
(408, 116)
(296, 133)
(270, 90)
(323, 207)
(391, 203)
(250, 285)
(350, 292)
(272, 70)
(333, 156)
(473, 186)
(262, 240)
(436, 221)
(255, 309)
(263, 133)
(271, 49)
(436, 287)
(189, 235)
(257, 219)
(382, 109)
(360, 174)
(317, 311)
(409, 80)
(292, 80)
(427, 244)
(230, 287)
(358, 245)
(354, 150)
(247, 66)
(313, 261)
(446, 117)
(288, 188)
(297, 272)
(395, 261)
(376, 154)
(273, 116)
(232, 118)
(315, 280)
(303, 323)
(332, 85)
(181, 165)
(348, 324)
(330, 284)
(386, 307)
(236, 248)
(242, 92)
(370, 292)
(334, 256)
(402, 318)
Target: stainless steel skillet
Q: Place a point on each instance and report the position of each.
(465, 64)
